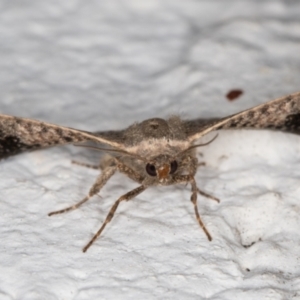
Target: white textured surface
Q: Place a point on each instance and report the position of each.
(104, 64)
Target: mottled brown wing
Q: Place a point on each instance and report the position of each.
(281, 114)
(18, 135)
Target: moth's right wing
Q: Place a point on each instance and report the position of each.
(282, 114)
(18, 135)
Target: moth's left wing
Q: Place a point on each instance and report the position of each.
(281, 114)
(18, 135)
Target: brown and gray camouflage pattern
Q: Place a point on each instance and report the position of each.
(281, 114)
(18, 134)
(153, 152)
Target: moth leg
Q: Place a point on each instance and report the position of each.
(204, 193)
(100, 182)
(78, 163)
(208, 195)
(112, 211)
(186, 179)
(200, 164)
(129, 172)
(194, 200)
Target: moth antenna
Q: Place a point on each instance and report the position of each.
(109, 150)
(100, 148)
(199, 145)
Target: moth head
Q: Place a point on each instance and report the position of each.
(162, 167)
(167, 169)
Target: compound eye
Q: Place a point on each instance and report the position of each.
(151, 170)
(174, 166)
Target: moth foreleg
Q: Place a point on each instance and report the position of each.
(99, 183)
(208, 195)
(190, 179)
(194, 201)
(129, 172)
(78, 163)
(204, 193)
(112, 211)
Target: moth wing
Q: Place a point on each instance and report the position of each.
(19, 134)
(281, 114)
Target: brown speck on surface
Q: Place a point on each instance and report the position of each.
(234, 94)
(248, 246)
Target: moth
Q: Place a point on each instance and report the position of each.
(151, 153)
